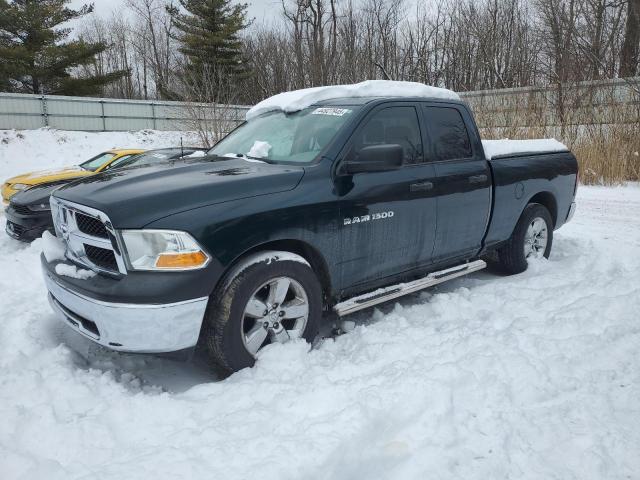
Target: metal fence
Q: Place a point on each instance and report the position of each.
(584, 103)
(24, 111)
(602, 102)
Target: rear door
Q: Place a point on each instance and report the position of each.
(463, 184)
(387, 218)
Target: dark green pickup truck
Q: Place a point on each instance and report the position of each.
(334, 199)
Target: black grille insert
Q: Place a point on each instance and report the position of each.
(101, 257)
(15, 228)
(21, 209)
(91, 226)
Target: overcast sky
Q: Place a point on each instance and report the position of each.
(262, 10)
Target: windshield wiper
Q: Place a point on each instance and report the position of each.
(249, 157)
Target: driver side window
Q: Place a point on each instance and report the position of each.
(393, 125)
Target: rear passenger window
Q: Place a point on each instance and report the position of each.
(448, 133)
(393, 125)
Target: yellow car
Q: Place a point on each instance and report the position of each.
(92, 166)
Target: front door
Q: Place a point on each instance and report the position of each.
(387, 218)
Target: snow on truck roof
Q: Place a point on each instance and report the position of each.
(296, 100)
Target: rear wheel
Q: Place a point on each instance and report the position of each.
(272, 300)
(532, 238)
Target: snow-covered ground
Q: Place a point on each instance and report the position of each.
(532, 376)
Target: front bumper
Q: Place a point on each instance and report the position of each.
(27, 228)
(143, 328)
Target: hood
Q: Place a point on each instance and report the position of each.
(134, 197)
(37, 194)
(47, 176)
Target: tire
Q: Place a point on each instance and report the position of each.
(230, 334)
(512, 258)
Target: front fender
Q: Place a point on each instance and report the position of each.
(230, 230)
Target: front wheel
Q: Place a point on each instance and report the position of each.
(275, 297)
(532, 238)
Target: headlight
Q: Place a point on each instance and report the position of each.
(163, 250)
(20, 186)
(39, 207)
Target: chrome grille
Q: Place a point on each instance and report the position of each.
(88, 235)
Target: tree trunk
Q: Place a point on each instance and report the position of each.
(629, 53)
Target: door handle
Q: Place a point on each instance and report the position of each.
(421, 186)
(478, 178)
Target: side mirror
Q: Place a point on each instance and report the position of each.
(375, 158)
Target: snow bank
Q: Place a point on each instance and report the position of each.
(532, 376)
(299, 99)
(494, 148)
(22, 151)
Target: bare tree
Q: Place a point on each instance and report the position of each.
(154, 44)
(460, 44)
(210, 102)
(629, 55)
(313, 25)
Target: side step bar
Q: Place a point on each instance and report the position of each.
(395, 291)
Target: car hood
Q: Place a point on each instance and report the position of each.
(37, 194)
(134, 197)
(47, 176)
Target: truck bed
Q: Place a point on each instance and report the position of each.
(525, 171)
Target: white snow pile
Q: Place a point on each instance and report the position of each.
(296, 100)
(52, 247)
(22, 151)
(494, 148)
(259, 149)
(197, 154)
(532, 376)
(72, 271)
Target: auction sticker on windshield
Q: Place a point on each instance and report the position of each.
(335, 112)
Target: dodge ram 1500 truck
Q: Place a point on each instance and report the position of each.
(326, 199)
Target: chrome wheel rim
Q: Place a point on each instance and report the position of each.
(536, 238)
(276, 312)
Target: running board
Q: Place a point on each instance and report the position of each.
(395, 291)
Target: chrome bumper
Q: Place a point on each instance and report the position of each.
(572, 210)
(129, 327)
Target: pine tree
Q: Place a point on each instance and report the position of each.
(36, 55)
(210, 40)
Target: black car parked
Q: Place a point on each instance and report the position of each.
(29, 213)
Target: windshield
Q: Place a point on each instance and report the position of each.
(147, 158)
(96, 162)
(279, 137)
(119, 161)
